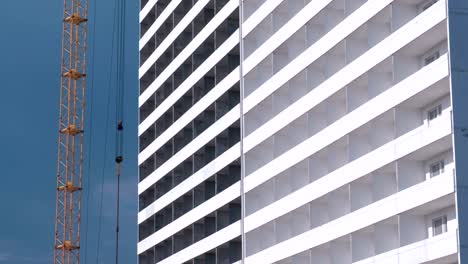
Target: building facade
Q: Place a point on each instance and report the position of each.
(303, 131)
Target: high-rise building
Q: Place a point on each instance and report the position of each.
(303, 131)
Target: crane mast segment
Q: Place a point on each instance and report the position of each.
(71, 130)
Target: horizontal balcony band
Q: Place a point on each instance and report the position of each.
(398, 203)
(165, 14)
(429, 249)
(251, 100)
(248, 26)
(188, 83)
(338, 81)
(205, 137)
(194, 180)
(428, 66)
(352, 171)
(253, 60)
(329, 87)
(147, 8)
(436, 71)
(172, 36)
(191, 217)
(204, 245)
(286, 31)
(380, 104)
(417, 195)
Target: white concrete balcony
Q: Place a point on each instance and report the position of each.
(348, 139)
(372, 177)
(369, 135)
(418, 197)
(333, 105)
(440, 249)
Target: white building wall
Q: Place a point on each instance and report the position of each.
(337, 149)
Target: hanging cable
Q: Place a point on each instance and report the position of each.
(119, 113)
(118, 42)
(106, 130)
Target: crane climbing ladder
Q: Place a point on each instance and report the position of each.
(71, 130)
(72, 121)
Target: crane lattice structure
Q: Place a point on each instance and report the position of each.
(71, 130)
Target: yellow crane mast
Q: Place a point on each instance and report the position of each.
(71, 129)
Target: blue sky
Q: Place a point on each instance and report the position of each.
(30, 50)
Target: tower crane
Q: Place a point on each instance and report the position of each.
(72, 121)
(71, 130)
